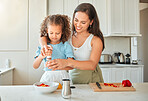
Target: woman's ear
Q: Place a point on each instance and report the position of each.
(46, 30)
(91, 22)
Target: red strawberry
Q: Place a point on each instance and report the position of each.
(129, 84)
(124, 83)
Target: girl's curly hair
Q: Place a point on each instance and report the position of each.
(57, 19)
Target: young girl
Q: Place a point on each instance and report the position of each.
(57, 29)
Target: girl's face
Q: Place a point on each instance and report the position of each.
(81, 22)
(54, 33)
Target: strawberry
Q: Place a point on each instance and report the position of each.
(126, 83)
(129, 84)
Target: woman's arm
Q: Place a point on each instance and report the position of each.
(91, 64)
(43, 41)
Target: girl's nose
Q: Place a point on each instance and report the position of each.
(55, 35)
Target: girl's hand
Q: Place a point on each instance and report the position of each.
(44, 49)
(42, 56)
(48, 51)
(57, 64)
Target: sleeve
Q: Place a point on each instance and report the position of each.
(68, 50)
(38, 52)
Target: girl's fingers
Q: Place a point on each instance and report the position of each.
(43, 51)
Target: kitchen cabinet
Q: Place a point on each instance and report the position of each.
(114, 74)
(123, 17)
(6, 77)
(117, 17)
(67, 7)
(106, 72)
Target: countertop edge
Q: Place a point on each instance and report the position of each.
(3, 70)
(119, 65)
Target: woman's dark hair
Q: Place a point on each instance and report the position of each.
(57, 19)
(92, 14)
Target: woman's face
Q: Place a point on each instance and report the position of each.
(81, 22)
(54, 33)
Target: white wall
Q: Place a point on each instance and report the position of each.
(22, 60)
(37, 12)
(116, 44)
(143, 42)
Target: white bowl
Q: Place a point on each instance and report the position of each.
(52, 87)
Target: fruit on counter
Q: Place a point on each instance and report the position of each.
(126, 83)
(110, 84)
(43, 85)
(60, 86)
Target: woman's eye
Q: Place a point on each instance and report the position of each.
(51, 33)
(57, 33)
(83, 22)
(76, 20)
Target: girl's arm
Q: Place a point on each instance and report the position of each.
(37, 61)
(91, 64)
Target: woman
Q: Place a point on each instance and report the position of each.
(87, 42)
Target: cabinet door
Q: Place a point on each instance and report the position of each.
(131, 17)
(116, 16)
(118, 74)
(55, 7)
(101, 8)
(6, 78)
(106, 72)
(69, 7)
(134, 74)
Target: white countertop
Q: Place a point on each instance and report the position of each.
(3, 70)
(81, 93)
(120, 65)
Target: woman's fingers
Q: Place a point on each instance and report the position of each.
(50, 47)
(51, 64)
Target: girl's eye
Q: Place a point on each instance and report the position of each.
(57, 33)
(51, 33)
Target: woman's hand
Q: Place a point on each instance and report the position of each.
(45, 49)
(57, 64)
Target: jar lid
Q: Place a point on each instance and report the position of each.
(65, 80)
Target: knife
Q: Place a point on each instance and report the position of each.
(98, 84)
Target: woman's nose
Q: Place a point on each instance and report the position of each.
(78, 24)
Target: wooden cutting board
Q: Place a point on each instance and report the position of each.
(110, 88)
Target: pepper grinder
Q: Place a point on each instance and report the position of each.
(128, 58)
(66, 91)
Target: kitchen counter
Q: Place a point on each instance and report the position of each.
(3, 70)
(82, 92)
(120, 65)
